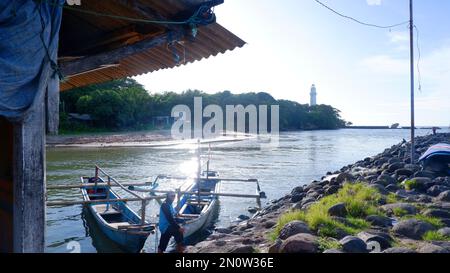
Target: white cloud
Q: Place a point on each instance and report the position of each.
(432, 103)
(374, 2)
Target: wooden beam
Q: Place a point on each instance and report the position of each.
(29, 182)
(114, 56)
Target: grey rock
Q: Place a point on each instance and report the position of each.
(390, 208)
(297, 197)
(430, 248)
(344, 177)
(438, 213)
(399, 250)
(385, 180)
(332, 190)
(379, 221)
(352, 244)
(404, 171)
(300, 243)
(269, 224)
(243, 217)
(333, 251)
(275, 247)
(380, 188)
(338, 210)
(412, 228)
(369, 237)
(444, 196)
(395, 166)
(223, 230)
(392, 188)
(444, 232)
(292, 228)
(436, 190)
(243, 249)
(297, 190)
(425, 174)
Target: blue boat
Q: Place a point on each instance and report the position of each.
(437, 158)
(116, 219)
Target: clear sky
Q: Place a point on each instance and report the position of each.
(362, 71)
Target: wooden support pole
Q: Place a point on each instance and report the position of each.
(6, 186)
(29, 182)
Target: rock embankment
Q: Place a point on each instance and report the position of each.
(395, 207)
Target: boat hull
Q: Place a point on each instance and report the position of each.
(128, 240)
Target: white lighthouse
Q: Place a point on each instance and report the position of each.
(313, 94)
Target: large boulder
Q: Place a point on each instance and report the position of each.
(444, 196)
(379, 221)
(292, 228)
(300, 243)
(344, 177)
(412, 228)
(338, 210)
(385, 180)
(352, 244)
(383, 241)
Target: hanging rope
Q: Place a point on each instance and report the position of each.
(53, 64)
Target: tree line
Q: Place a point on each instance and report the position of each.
(126, 105)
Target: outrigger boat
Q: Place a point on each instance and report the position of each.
(114, 217)
(197, 201)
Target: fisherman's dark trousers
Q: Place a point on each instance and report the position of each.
(165, 237)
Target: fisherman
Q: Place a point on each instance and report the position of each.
(169, 226)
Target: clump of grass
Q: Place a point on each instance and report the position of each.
(435, 222)
(412, 184)
(391, 198)
(399, 212)
(283, 220)
(360, 201)
(435, 236)
(326, 243)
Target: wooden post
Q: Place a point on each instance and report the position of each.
(6, 186)
(29, 182)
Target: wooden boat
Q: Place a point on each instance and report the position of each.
(115, 219)
(196, 211)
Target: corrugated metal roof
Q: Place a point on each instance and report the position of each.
(210, 41)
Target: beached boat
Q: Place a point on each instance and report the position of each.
(115, 219)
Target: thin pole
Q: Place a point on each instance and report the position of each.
(411, 34)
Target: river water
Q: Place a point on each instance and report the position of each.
(299, 158)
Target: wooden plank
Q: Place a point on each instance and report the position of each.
(29, 182)
(95, 61)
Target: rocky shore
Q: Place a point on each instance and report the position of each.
(380, 204)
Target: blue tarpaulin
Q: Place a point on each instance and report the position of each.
(29, 32)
